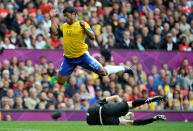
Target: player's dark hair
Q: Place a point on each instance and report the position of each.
(70, 9)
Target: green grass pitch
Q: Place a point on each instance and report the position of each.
(82, 126)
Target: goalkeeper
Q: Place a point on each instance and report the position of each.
(110, 111)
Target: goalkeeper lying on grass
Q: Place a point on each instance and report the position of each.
(110, 111)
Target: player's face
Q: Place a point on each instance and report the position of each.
(68, 17)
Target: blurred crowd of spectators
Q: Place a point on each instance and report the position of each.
(28, 85)
(126, 24)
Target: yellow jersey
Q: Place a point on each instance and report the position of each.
(74, 39)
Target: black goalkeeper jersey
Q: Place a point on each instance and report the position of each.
(92, 116)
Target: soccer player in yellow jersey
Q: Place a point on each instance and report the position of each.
(74, 33)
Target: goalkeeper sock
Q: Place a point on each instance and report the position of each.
(143, 121)
(114, 69)
(138, 102)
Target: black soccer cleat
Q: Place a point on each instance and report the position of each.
(159, 117)
(155, 99)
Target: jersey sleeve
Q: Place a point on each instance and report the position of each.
(88, 26)
(60, 31)
(102, 102)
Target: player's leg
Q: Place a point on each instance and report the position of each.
(109, 69)
(136, 103)
(90, 63)
(121, 108)
(141, 121)
(65, 70)
(116, 110)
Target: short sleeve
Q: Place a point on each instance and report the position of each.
(88, 26)
(102, 102)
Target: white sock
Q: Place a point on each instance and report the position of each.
(114, 69)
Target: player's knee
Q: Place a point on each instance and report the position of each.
(60, 82)
(103, 72)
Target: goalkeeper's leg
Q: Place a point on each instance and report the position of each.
(139, 102)
(142, 121)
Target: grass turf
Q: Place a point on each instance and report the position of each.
(82, 126)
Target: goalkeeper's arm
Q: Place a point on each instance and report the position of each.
(112, 99)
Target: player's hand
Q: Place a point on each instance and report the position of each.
(82, 24)
(53, 12)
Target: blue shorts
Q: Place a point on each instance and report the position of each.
(86, 61)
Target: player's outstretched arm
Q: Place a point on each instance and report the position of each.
(54, 26)
(114, 98)
(88, 32)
